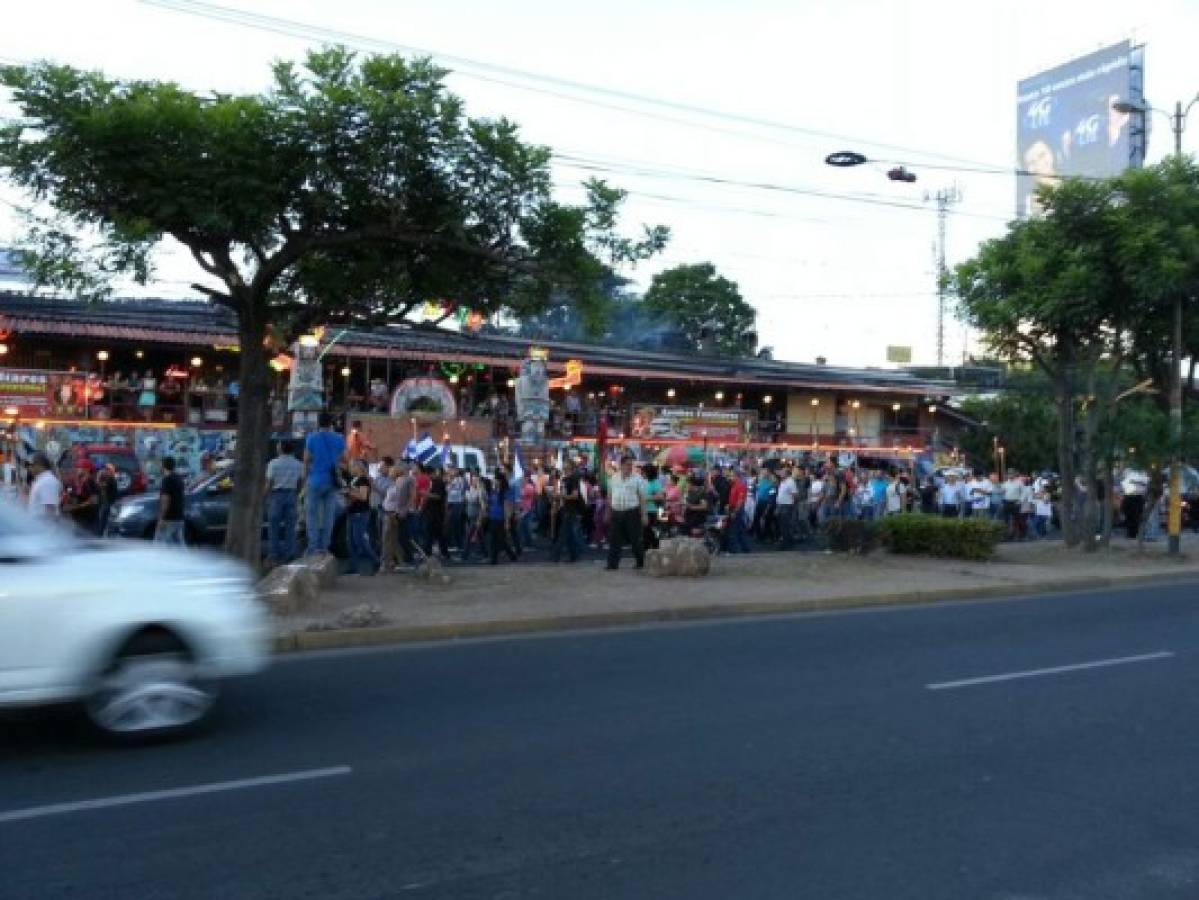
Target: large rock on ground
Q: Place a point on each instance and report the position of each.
(678, 556)
(290, 589)
(432, 569)
(324, 566)
(365, 615)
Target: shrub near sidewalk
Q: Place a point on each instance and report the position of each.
(849, 535)
(936, 536)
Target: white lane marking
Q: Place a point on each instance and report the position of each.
(216, 787)
(1055, 670)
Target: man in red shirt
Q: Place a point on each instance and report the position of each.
(738, 526)
(421, 483)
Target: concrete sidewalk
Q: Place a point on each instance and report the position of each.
(516, 598)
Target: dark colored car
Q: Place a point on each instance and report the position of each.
(205, 514)
(131, 478)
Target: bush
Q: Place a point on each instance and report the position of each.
(850, 535)
(937, 536)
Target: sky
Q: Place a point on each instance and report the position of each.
(838, 263)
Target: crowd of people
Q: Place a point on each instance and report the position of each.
(398, 512)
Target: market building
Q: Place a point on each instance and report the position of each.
(163, 374)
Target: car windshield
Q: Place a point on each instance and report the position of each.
(208, 481)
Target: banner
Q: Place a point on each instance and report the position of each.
(43, 395)
(692, 423)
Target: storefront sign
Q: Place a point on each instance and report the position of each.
(44, 395)
(692, 423)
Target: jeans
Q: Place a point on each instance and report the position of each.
(785, 517)
(528, 527)
(626, 528)
(281, 524)
(434, 530)
(360, 542)
(455, 522)
(170, 533)
(320, 513)
(738, 532)
(497, 531)
(569, 535)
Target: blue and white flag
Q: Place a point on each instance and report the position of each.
(518, 467)
(422, 450)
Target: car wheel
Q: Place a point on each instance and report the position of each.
(149, 691)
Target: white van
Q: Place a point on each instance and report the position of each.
(464, 456)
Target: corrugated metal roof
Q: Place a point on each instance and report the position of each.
(187, 321)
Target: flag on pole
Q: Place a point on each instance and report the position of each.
(422, 450)
(518, 466)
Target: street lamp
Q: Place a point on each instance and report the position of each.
(1178, 122)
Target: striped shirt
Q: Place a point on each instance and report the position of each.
(626, 493)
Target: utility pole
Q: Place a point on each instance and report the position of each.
(944, 198)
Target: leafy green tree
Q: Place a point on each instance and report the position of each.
(1024, 424)
(1052, 292)
(705, 306)
(352, 191)
(1158, 250)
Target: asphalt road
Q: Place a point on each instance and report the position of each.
(852, 755)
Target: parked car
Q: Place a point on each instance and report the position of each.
(205, 514)
(131, 477)
(136, 634)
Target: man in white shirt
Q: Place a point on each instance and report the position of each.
(628, 496)
(979, 496)
(784, 505)
(1013, 490)
(953, 494)
(45, 494)
(897, 493)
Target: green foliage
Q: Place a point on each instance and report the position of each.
(355, 188)
(1024, 424)
(849, 535)
(1158, 249)
(353, 191)
(923, 535)
(692, 296)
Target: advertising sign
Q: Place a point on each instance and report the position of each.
(691, 423)
(1066, 124)
(43, 395)
(897, 353)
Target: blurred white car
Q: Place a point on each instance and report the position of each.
(137, 634)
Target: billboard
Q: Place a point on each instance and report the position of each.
(691, 423)
(1065, 123)
(36, 394)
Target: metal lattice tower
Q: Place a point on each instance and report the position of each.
(944, 198)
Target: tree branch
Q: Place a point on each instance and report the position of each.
(204, 264)
(215, 296)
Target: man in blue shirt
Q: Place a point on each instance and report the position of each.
(324, 455)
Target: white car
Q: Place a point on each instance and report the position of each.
(137, 634)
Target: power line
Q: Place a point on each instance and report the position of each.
(579, 163)
(513, 77)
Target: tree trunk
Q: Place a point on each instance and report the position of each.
(244, 536)
(1090, 512)
(1065, 458)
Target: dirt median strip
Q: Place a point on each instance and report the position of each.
(330, 639)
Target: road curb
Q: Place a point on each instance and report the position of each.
(407, 634)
